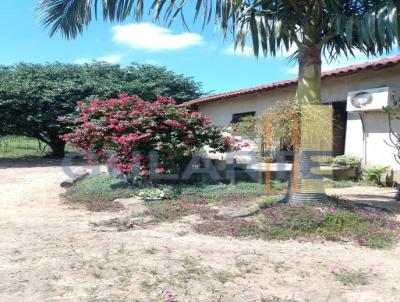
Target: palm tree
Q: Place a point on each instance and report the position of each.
(315, 27)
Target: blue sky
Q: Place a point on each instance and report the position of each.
(200, 54)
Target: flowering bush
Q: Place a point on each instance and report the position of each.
(126, 129)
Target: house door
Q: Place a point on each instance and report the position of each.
(339, 127)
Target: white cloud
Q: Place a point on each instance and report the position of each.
(113, 58)
(152, 37)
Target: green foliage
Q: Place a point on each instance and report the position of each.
(208, 193)
(156, 193)
(12, 146)
(375, 174)
(99, 188)
(351, 278)
(346, 161)
(251, 127)
(282, 130)
(34, 96)
(121, 128)
(170, 210)
(366, 227)
(298, 117)
(342, 183)
(268, 200)
(334, 26)
(315, 28)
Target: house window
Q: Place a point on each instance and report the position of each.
(237, 117)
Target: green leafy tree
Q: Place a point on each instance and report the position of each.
(34, 96)
(314, 28)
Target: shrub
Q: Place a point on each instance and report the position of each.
(156, 193)
(346, 161)
(312, 121)
(375, 174)
(128, 128)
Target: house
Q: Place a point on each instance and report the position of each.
(356, 93)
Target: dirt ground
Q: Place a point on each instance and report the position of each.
(51, 252)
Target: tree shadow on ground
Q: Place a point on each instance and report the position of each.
(35, 161)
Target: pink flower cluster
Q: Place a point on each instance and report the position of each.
(128, 125)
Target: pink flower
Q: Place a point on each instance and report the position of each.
(119, 128)
(165, 100)
(101, 153)
(126, 125)
(169, 296)
(113, 121)
(360, 240)
(392, 225)
(160, 170)
(124, 167)
(333, 209)
(172, 123)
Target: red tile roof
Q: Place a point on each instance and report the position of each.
(374, 65)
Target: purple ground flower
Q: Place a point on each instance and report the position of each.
(360, 240)
(169, 296)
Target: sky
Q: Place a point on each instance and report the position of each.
(201, 54)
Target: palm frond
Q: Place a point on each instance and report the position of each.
(340, 26)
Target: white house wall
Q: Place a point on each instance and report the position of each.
(333, 90)
(373, 149)
(220, 112)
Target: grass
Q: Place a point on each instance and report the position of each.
(99, 193)
(274, 221)
(343, 183)
(371, 228)
(351, 277)
(13, 146)
(217, 205)
(205, 193)
(101, 187)
(19, 146)
(150, 251)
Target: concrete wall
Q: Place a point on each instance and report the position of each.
(333, 90)
(220, 112)
(370, 145)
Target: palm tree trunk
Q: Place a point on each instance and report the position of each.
(309, 81)
(304, 186)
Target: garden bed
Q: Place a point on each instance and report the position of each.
(244, 210)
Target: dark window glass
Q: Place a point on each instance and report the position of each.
(237, 117)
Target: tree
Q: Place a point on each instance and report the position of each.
(34, 96)
(127, 129)
(315, 28)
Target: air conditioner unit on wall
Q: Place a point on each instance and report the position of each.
(373, 99)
